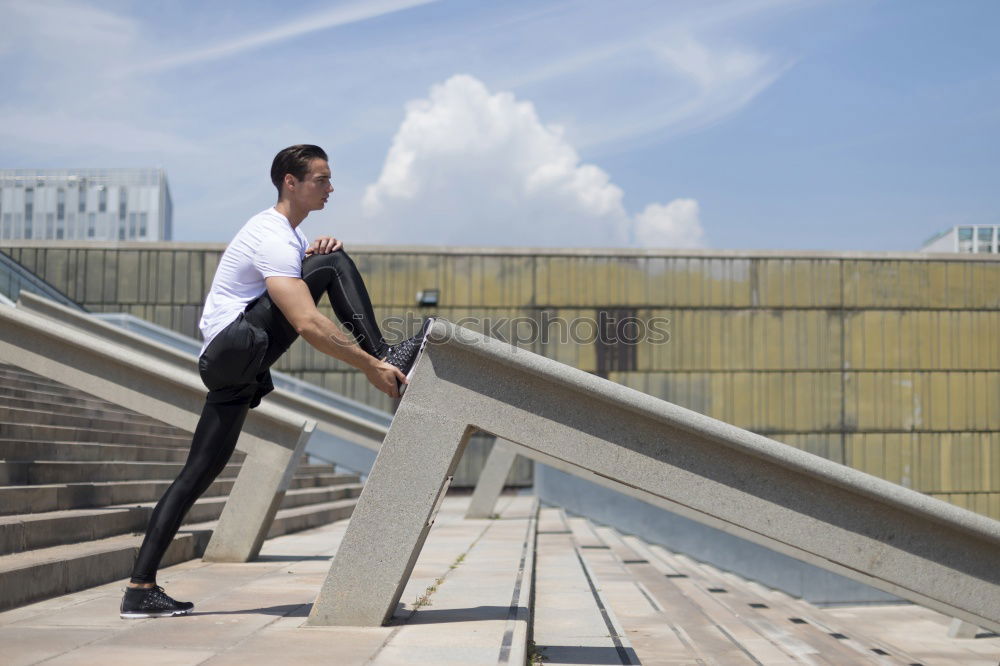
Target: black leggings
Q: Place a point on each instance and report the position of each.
(236, 369)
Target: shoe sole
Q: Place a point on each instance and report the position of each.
(423, 343)
(142, 616)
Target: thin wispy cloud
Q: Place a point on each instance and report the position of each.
(697, 67)
(338, 16)
(707, 85)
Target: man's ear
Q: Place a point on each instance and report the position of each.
(290, 181)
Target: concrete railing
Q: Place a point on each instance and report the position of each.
(349, 436)
(810, 508)
(273, 437)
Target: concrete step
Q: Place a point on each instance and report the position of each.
(42, 530)
(15, 500)
(27, 380)
(572, 622)
(663, 621)
(109, 537)
(14, 473)
(320, 480)
(19, 450)
(63, 496)
(131, 424)
(51, 404)
(31, 392)
(30, 432)
(675, 610)
(793, 625)
(39, 574)
(11, 374)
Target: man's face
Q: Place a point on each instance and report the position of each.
(312, 191)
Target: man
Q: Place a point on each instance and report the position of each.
(262, 298)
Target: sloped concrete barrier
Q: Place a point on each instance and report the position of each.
(274, 438)
(491, 480)
(351, 436)
(824, 513)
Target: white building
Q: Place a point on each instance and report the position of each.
(85, 204)
(966, 238)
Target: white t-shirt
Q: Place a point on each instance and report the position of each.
(267, 245)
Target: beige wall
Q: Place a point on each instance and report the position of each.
(886, 362)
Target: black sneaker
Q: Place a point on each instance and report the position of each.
(140, 602)
(404, 355)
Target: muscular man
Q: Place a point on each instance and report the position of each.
(262, 298)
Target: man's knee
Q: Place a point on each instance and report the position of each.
(337, 259)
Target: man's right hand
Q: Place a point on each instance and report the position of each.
(292, 297)
(386, 378)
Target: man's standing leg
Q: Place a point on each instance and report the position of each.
(211, 448)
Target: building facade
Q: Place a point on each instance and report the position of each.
(887, 362)
(85, 204)
(975, 238)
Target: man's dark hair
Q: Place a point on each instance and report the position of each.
(294, 160)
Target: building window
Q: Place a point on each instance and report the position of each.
(143, 219)
(121, 229)
(8, 224)
(91, 224)
(71, 225)
(965, 239)
(122, 202)
(131, 225)
(102, 199)
(82, 204)
(29, 204)
(984, 236)
(50, 225)
(61, 204)
(60, 228)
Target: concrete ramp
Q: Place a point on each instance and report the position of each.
(835, 517)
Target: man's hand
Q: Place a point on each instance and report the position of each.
(324, 245)
(384, 377)
(292, 297)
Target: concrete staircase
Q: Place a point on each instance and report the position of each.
(80, 476)
(605, 598)
(528, 587)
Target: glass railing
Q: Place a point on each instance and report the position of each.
(14, 277)
(281, 380)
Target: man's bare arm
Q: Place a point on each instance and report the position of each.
(292, 297)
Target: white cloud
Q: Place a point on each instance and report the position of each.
(469, 167)
(675, 225)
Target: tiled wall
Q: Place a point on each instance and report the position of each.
(888, 363)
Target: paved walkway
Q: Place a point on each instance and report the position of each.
(461, 606)
(254, 613)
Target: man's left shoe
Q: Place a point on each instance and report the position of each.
(404, 355)
(142, 602)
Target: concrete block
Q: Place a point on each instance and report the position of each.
(392, 518)
(962, 629)
(258, 492)
(788, 500)
(491, 481)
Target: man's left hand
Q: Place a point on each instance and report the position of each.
(324, 245)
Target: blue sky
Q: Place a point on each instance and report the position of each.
(772, 124)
